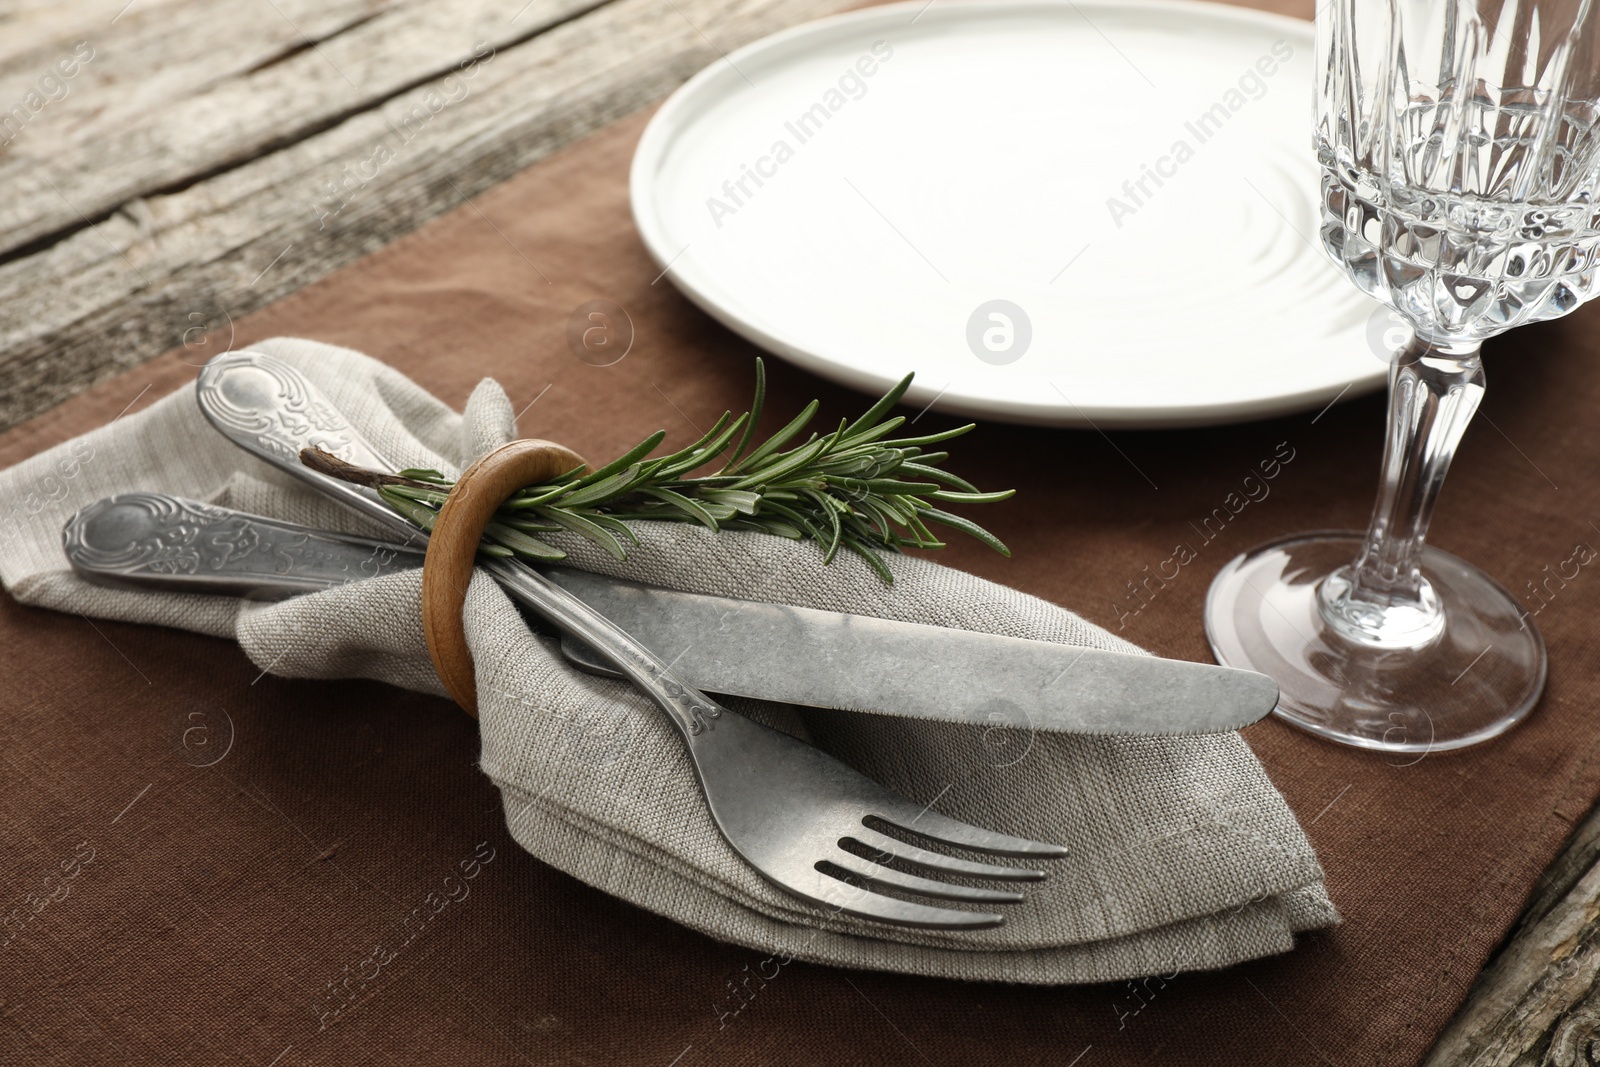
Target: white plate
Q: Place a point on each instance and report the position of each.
(961, 153)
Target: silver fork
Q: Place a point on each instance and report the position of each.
(801, 818)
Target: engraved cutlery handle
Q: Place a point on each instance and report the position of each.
(271, 410)
(151, 540)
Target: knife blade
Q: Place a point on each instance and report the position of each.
(861, 663)
(728, 646)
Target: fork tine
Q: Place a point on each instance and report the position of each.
(876, 874)
(863, 902)
(938, 861)
(930, 824)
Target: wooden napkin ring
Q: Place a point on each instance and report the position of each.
(453, 549)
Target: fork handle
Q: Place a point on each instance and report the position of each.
(690, 710)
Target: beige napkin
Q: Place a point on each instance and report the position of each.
(1183, 855)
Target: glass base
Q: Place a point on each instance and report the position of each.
(1480, 676)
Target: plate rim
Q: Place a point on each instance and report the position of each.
(668, 120)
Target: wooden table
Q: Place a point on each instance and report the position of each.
(169, 167)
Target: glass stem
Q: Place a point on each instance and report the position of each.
(1382, 598)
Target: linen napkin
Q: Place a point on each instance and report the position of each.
(1182, 854)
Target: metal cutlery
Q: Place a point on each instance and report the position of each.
(726, 646)
(805, 821)
(155, 541)
(862, 663)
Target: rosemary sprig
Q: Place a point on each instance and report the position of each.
(855, 488)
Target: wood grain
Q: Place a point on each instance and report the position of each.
(453, 550)
(275, 94)
(1538, 1001)
(155, 55)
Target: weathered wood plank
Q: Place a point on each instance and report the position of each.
(358, 63)
(155, 52)
(30, 27)
(132, 286)
(1538, 1001)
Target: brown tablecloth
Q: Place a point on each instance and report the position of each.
(219, 913)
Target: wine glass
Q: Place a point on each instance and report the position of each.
(1458, 144)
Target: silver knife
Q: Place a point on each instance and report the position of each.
(733, 647)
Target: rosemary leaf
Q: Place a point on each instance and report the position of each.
(874, 560)
(874, 415)
(590, 529)
(740, 500)
(967, 526)
(623, 462)
(932, 473)
(946, 497)
(790, 463)
(777, 440)
(521, 543)
(434, 497)
(424, 474)
(756, 405)
(612, 523)
(418, 514)
(615, 485)
(934, 438)
(682, 503)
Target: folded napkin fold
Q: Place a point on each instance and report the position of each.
(1183, 855)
